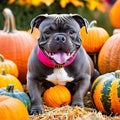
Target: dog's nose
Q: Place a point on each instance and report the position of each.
(60, 38)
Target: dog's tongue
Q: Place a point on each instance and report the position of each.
(60, 57)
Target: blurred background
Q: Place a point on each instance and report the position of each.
(25, 10)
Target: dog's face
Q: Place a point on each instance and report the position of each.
(59, 35)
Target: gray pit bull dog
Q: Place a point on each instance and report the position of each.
(58, 58)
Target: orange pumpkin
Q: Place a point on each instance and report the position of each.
(57, 96)
(9, 66)
(114, 14)
(6, 79)
(109, 56)
(94, 40)
(15, 45)
(12, 109)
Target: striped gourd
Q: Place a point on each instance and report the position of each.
(105, 93)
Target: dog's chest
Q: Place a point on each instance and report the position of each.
(59, 77)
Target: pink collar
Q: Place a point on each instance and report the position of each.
(50, 63)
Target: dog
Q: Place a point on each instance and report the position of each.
(59, 58)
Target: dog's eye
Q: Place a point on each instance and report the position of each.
(47, 32)
(71, 32)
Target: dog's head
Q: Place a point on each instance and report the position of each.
(59, 35)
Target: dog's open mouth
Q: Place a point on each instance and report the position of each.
(60, 57)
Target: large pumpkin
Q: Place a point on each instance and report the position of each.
(94, 39)
(35, 33)
(105, 93)
(12, 109)
(15, 45)
(114, 14)
(6, 79)
(9, 66)
(57, 96)
(22, 96)
(109, 56)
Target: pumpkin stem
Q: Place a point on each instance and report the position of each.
(2, 58)
(3, 72)
(9, 25)
(117, 74)
(10, 88)
(92, 23)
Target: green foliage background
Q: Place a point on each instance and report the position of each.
(24, 14)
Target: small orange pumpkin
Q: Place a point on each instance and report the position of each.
(12, 109)
(114, 14)
(57, 96)
(109, 56)
(9, 66)
(94, 40)
(6, 79)
(15, 45)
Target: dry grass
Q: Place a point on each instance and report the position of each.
(73, 113)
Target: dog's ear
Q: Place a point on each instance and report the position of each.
(81, 21)
(37, 21)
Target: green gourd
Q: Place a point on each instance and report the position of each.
(22, 96)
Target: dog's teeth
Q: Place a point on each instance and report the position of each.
(68, 54)
(46, 52)
(72, 53)
(50, 54)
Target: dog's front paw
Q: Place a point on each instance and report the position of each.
(77, 103)
(36, 111)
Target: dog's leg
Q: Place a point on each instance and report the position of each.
(35, 91)
(83, 87)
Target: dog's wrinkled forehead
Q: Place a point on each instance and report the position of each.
(59, 20)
